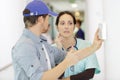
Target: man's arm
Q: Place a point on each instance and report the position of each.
(72, 58)
(54, 73)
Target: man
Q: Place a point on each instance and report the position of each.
(33, 58)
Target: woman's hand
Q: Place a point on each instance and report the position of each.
(97, 41)
(58, 41)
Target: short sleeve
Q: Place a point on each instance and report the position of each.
(92, 62)
(27, 59)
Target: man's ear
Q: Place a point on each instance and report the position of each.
(40, 19)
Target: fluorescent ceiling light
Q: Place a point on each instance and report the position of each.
(74, 5)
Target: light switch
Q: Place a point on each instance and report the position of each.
(102, 33)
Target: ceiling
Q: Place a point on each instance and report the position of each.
(62, 0)
(62, 5)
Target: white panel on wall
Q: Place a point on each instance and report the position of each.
(94, 15)
(11, 26)
(112, 45)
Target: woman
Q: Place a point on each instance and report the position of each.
(84, 69)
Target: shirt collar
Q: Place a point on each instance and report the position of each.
(32, 36)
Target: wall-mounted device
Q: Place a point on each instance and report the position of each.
(102, 33)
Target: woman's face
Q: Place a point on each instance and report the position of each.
(66, 25)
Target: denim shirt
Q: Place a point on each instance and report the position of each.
(29, 58)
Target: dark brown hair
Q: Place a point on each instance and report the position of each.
(79, 22)
(62, 13)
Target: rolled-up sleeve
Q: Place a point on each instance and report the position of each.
(27, 59)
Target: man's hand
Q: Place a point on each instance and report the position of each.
(71, 57)
(97, 41)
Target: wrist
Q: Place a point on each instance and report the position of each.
(93, 47)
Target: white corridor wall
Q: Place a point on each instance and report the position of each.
(94, 16)
(109, 55)
(11, 26)
(112, 44)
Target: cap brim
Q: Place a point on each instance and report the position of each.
(53, 13)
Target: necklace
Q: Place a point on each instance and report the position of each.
(75, 46)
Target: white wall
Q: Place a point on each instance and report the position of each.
(109, 12)
(7, 74)
(11, 26)
(94, 15)
(112, 44)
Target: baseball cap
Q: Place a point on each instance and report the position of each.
(38, 7)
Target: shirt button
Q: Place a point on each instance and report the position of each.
(72, 68)
(41, 41)
(31, 65)
(42, 48)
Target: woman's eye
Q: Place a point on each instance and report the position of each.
(62, 23)
(70, 23)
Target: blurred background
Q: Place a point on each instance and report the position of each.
(91, 13)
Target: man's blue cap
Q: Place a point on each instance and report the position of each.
(37, 7)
